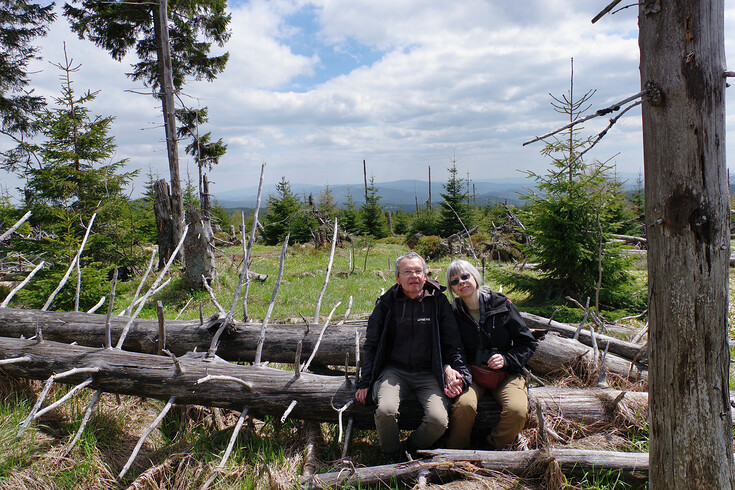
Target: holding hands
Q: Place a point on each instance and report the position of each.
(453, 382)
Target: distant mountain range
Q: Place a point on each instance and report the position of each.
(398, 194)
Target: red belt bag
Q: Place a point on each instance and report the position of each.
(486, 377)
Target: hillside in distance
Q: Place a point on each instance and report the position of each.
(398, 194)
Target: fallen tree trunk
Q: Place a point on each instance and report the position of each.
(634, 466)
(239, 342)
(628, 350)
(269, 391)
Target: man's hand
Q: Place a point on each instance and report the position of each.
(453, 384)
(497, 361)
(361, 394)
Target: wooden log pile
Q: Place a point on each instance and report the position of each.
(185, 377)
(239, 340)
(266, 390)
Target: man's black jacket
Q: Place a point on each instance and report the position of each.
(447, 345)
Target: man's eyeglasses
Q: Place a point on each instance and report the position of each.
(412, 272)
(463, 277)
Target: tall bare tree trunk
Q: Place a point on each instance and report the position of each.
(162, 210)
(687, 222)
(169, 119)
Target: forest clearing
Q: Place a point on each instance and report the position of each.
(185, 449)
(159, 339)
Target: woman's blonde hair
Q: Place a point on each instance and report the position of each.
(459, 267)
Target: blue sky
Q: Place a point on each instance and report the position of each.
(313, 88)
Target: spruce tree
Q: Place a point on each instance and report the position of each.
(455, 208)
(21, 22)
(575, 206)
(372, 219)
(326, 204)
(349, 216)
(285, 213)
(76, 178)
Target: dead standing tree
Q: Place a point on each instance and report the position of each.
(687, 224)
(683, 78)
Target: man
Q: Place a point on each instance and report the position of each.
(412, 350)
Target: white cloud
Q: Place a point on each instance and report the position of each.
(469, 79)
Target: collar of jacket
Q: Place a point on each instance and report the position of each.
(491, 303)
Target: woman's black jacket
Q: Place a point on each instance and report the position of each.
(502, 328)
(446, 342)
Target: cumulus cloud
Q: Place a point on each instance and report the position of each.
(313, 87)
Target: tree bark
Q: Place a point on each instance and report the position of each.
(271, 390)
(628, 350)
(634, 466)
(239, 342)
(164, 222)
(687, 225)
(199, 250)
(169, 119)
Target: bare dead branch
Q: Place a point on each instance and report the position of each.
(288, 410)
(64, 398)
(129, 309)
(21, 285)
(605, 10)
(108, 335)
(640, 334)
(347, 313)
(602, 133)
(341, 411)
(348, 433)
(271, 303)
(17, 224)
(228, 451)
(217, 377)
(138, 301)
(246, 259)
(179, 367)
(153, 287)
(14, 360)
(147, 432)
(184, 308)
(598, 113)
(602, 377)
(71, 266)
(326, 277)
(85, 420)
(98, 305)
(472, 248)
(44, 392)
(319, 340)
(161, 327)
(211, 295)
(297, 359)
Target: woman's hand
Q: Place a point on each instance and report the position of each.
(497, 361)
(453, 385)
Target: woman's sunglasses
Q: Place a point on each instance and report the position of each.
(463, 277)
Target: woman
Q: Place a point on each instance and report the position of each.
(494, 335)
